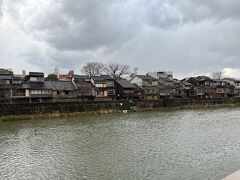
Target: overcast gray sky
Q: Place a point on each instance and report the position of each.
(188, 37)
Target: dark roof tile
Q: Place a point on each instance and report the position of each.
(146, 77)
(126, 83)
(98, 78)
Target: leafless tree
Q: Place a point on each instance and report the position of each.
(217, 75)
(116, 70)
(93, 68)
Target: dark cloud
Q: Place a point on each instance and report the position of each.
(85, 25)
(181, 35)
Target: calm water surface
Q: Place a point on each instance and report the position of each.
(179, 145)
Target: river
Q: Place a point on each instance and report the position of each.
(175, 145)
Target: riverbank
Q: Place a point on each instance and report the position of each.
(130, 108)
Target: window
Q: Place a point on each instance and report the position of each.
(36, 92)
(100, 85)
(36, 79)
(111, 91)
(46, 92)
(4, 81)
(33, 79)
(207, 83)
(110, 83)
(100, 93)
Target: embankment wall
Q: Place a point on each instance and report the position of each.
(106, 106)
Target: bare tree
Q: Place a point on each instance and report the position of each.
(116, 70)
(93, 68)
(217, 75)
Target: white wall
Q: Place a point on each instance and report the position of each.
(137, 81)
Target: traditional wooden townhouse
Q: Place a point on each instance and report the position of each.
(149, 85)
(127, 90)
(110, 84)
(211, 88)
(5, 84)
(20, 89)
(61, 90)
(168, 87)
(219, 82)
(189, 91)
(235, 83)
(203, 85)
(225, 91)
(101, 88)
(223, 88)
(65, 77)
(161, 74)
(39, 92)
(85, 88)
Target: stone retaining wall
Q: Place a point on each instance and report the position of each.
(71, 107)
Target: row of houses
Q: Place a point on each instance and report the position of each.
(152, 86)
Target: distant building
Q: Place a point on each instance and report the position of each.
(235, 83)
(187, 90)
(168, 87)
(211, 88)
(5, 83)
(161, 74)
(24, 73)
(85, 88)
(110, 84)
(127, 90)
(36, 77)
(66, 77)
(103, 88)
(149, 85)
(61, 89)
(56, 72)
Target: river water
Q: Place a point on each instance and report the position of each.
(175, 145)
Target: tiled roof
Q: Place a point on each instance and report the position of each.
(36, 74)
(203, 78)
(5, 77)
(107, 77)
(59, 85)
(17, 77)
(167, 79)
(145, 77)
(125, 83)
(5, 86)
(98, 78)
(22, 86)
(81, 77)
(186, 83)
(4, 72)
(232, 79)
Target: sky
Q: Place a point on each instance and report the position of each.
(187, 37)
